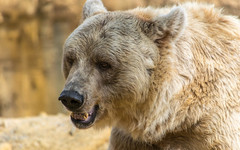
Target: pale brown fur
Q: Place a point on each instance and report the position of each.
(174, 81)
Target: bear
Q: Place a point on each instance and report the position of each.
(163, 78)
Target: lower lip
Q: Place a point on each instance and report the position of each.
(80, 124)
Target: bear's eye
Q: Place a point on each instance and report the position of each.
(103, 66)
(70, 61)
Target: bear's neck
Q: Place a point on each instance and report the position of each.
(165, 109)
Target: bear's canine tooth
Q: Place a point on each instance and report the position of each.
(84, 115)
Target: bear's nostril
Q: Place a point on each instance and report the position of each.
(72, 100)
(64, 101)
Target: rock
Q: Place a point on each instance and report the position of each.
(15, 8)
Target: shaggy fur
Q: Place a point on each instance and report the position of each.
(172, 79)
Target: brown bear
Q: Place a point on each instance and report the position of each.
(164, 79)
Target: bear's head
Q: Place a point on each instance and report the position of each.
(110, 63)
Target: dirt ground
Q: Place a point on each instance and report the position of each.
(49, 133)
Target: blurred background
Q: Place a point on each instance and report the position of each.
(32, 33)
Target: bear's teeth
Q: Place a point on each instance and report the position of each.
(79, 116)
(85, 116)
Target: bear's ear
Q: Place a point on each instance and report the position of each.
(93, 7)
(166, 27)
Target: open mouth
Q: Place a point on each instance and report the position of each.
(84, 120)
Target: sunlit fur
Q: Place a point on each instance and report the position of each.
(175, 78)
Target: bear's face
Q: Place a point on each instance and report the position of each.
(106, 61)
(110, 62)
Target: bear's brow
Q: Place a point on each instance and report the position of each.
(70, 54)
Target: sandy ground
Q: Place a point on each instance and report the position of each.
(49, 133)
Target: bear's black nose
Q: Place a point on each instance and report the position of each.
(72, 100)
